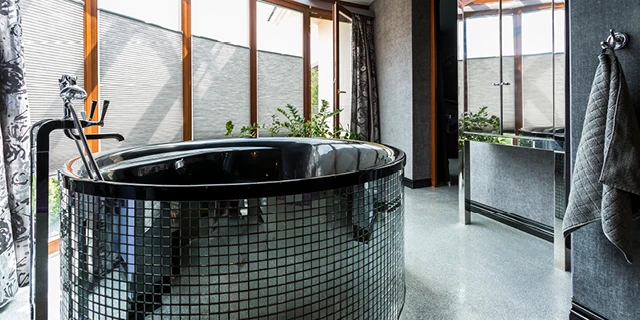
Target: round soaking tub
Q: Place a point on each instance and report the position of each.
(280, 228)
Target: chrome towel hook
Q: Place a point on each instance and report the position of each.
(615, 41)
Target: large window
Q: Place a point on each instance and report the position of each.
(143, 54)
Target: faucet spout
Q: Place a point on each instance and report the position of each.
(100, 136)
(96, 136)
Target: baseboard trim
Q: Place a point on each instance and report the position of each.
(415, 184)
(580, 312)
(529, 226)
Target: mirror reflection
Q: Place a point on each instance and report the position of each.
(512, 71)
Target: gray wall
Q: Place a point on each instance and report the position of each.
(401, 36)
(602, 280)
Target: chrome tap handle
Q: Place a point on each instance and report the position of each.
(94, 105)
(105, 106)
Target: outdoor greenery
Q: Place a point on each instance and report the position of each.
(481, 122)
(296, 126)
(314, 89)
(54, 206)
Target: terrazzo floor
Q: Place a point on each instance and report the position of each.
(485, 270)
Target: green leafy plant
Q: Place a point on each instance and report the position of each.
(481, 122)
(296, 126)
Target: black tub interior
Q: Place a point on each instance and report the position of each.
(240, 161)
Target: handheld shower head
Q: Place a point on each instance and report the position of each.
(69, 90)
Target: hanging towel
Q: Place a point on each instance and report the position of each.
(606, 177)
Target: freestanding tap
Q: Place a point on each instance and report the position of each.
(40, 145)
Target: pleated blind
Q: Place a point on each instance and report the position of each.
(53, 45)
(220, 87)
(140, 72)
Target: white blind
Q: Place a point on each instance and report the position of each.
(141, 74)
(53, 45)
(220, 87)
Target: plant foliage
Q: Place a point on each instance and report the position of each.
(481, 122)
(295, 125)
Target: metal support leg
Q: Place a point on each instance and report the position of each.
(561, 251)
(464, 186)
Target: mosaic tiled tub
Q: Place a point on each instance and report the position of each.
(235, 229)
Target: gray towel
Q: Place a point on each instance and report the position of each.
(606, 177)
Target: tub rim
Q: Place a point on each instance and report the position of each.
(228, 191)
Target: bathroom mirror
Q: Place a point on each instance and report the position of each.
(512, 72)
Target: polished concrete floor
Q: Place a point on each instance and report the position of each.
(485, 270)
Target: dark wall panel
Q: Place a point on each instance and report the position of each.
(602, 280)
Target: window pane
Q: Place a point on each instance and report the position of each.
(483, 36)
(560, 66)
(346, 71)
(280, 64)
(141, 74)
(45, 61)
(220, 66)
(164, 13)
(221, 20)
(537, 32)
(537, 69)
(321, 63)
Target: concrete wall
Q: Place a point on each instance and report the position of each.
(402, 53)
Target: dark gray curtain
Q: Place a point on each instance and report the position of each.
(14, 156)
(365, 115)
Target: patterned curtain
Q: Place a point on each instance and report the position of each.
(14, 156)
(365, 115)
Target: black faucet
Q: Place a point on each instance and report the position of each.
(40, 148)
